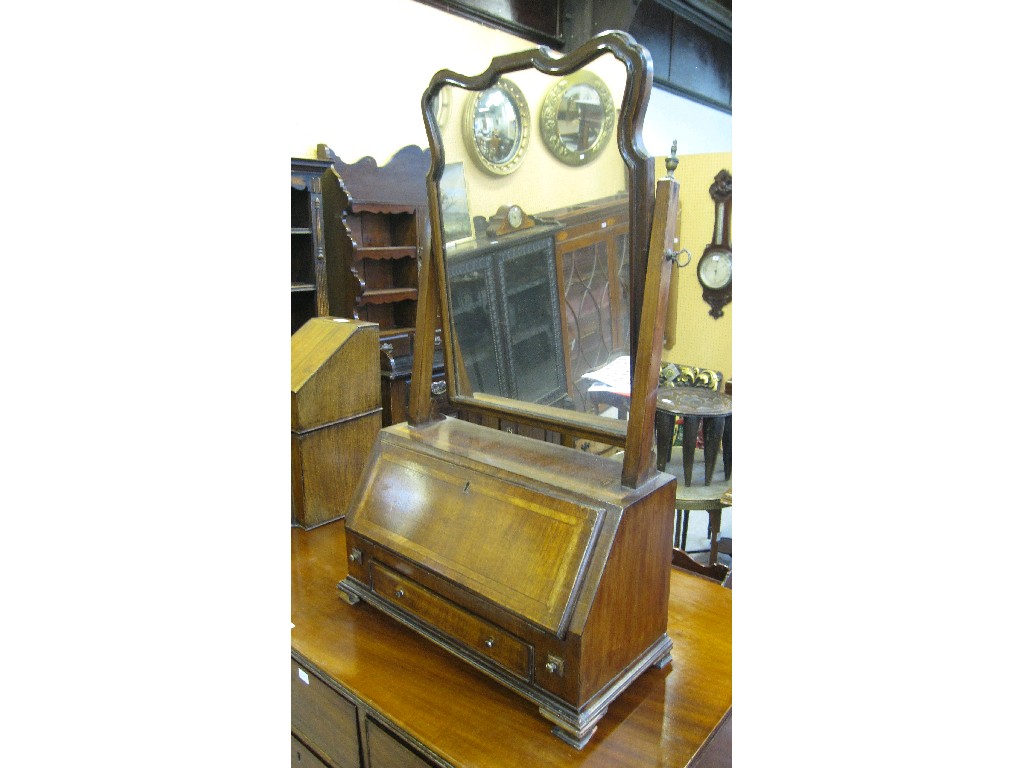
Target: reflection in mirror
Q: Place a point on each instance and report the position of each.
(577, 117)
(497, 127)
(536, 260)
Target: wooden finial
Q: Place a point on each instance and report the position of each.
(672, 162)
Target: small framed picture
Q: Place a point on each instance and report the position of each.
(455, 205)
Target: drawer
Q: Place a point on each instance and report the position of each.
(323, 719)
(386, 751)
(303, 758)
(483, 637)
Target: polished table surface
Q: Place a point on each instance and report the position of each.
(466, 719)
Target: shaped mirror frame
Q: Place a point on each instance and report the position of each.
(639, 170)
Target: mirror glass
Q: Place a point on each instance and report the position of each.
(578, 118)
(536, 260)
(497, 127)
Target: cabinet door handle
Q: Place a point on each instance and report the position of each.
(489, 642)
(399, 593)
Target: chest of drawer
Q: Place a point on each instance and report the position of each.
(323, 719)
(385, 750)
(303, 758)
(485, 638)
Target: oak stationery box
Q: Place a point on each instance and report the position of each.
(336, 413)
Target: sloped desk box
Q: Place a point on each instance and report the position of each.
(336, 414)
(527, 559)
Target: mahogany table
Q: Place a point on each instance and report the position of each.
(412, 703)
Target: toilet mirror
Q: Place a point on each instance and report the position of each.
(541, 200)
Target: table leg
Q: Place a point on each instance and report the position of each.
(622, 406)
(715, 519)
(664, 426)
(690, 426)
(727, 447)
(713, 428)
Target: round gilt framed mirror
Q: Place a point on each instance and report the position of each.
(497, 128)
(577, 118)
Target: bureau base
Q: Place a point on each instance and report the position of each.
(573, 726)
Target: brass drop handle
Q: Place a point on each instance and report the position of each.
(489, 642)
(399, 593)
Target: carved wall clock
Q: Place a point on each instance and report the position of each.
(714, 270)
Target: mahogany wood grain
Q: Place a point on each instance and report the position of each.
(453, 715)
(519, 532)
(491, 640)
(428, 310)
(386, 751)
(323, 720)
(492, 524)
(639, 461)
(631, 601)
(586, 426)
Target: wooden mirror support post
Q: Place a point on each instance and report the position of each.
(544, 567)
(638, 459)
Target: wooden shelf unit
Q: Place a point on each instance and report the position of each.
(376, 238)
(309, 280)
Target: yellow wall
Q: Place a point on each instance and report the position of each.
(542, 182)
(698, 339)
